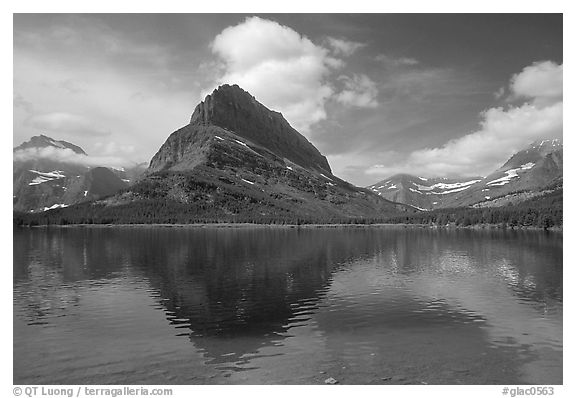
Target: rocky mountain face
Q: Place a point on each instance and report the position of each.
(534, 171)
(235, 110)
(42, 183)
(237, 161)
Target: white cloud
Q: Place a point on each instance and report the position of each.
(541, 81)
(343, 47)
(502, 131)
(65, 122)
(359, 91)
(67, 155)
(282, 69)
(135, 110)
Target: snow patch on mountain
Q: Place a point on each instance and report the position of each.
(510, 174)
(45, 177)
(449, 191)
(55, 206)
(241, 143)
(55, 143)
(448, 187)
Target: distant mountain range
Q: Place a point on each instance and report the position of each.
(534, 171)
(42, 183)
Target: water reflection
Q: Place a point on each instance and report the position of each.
(367, 299)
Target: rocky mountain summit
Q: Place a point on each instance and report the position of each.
(234, 110)
(43, 141)
(236, 161)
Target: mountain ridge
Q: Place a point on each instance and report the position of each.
(529, 171)
(43, 141)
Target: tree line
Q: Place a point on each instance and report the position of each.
(233, 207)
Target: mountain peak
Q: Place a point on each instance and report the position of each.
(236, 110)
(226, 94)
(546, 146)
(43, 141)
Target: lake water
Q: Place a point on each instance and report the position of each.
(155, 305)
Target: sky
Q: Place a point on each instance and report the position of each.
(378, 94)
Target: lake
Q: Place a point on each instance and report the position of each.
(390, 305)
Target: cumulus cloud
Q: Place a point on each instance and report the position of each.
(343, 47)
(64, 122)
(67, 155)
(283, 69)
(359, 90)
(541, 81)
(503, 131)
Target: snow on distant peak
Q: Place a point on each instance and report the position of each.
(442, 185)
(448, 187)
(510, 174)
(55, 143)
(449, 191)
(45, 177)
(554, 143)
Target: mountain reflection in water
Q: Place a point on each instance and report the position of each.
(279, 305)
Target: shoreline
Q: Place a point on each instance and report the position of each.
(301, 226)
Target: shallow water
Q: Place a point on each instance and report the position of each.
(159, 305)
